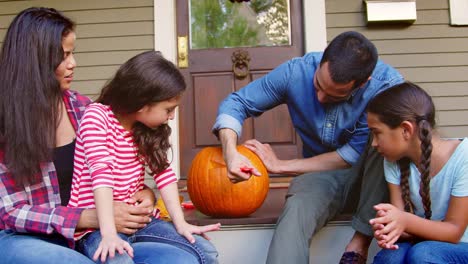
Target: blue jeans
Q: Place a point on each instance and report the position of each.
(424, 252)
(158, 233)
(21, 248)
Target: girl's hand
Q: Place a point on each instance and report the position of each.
(389, 225)
(185, 229)
(378, 236)
(378, 226)
(109, 244)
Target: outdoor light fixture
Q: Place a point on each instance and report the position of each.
(458, 12)
(391, 10)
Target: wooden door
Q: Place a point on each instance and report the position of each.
(270, 33)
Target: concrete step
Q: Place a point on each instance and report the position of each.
(246, 240)
(249, 244)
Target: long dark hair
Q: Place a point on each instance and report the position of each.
(145, 79)
(409, 102)
(30, 94)
(351, 57)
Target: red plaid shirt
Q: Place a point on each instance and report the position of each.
(36, 208)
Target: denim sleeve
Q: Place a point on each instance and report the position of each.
(384, 79)
(352, 150)
(257, 97)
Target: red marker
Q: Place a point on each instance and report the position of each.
(188, 205)
(246, 169)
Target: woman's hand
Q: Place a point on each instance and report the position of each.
(185, 229)
(144, 198)
(129, 218)
(134, 215)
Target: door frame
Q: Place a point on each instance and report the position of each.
(165, 35)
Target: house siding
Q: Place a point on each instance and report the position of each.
(108, 33)
(429, 52)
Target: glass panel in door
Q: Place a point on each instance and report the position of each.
(227, 24)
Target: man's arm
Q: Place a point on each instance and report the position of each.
(234, 160)
(254, 99)
(323, 162)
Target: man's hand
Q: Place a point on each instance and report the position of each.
(239, 167)
(265, 153)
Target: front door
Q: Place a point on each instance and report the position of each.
(229, 44)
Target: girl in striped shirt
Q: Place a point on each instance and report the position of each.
(120, 135)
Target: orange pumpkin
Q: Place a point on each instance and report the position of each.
(212, 192)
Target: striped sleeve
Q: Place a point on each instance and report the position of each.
(165, 178)
(93, 139)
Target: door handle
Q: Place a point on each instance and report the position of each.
(240, 63)
(182, 51)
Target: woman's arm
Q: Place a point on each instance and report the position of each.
(34, 210)
(128, 218)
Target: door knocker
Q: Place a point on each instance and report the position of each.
(240, 63)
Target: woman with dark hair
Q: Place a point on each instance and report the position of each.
(39, 116)
(427, 176)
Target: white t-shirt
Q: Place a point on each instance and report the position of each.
(452, 180)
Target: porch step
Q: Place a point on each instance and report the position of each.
(249, 244)
(246, 240)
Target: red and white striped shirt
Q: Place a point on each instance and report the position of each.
(106, 156)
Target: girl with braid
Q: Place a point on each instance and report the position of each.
(427, 219)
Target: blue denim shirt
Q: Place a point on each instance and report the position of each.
(340, 127)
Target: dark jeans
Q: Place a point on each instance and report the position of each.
(313, 199)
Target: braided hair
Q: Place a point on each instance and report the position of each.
(409, 102)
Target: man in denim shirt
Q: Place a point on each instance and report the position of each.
(326, 94)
